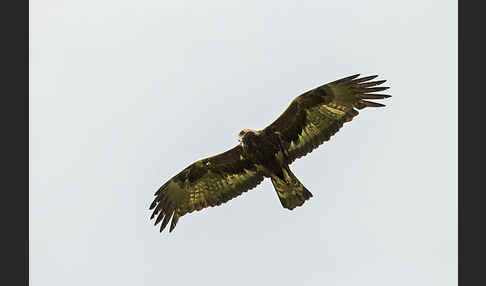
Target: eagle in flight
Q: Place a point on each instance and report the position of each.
(311, 118)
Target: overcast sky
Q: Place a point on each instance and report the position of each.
(125, 94)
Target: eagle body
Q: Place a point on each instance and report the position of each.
(310, 120)
(264, 149)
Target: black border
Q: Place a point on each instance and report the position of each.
(471, 166)
(15, 136)
(460, 262)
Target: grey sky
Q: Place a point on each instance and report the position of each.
(125, 94)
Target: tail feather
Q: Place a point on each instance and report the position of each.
(290, 190)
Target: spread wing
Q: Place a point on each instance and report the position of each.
(316, 115)
(207, 182)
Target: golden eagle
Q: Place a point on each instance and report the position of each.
(311, 118)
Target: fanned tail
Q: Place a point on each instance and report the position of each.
(290, 190)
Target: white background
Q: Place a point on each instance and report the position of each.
(125, 94)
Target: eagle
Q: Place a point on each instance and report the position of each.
(310, 120)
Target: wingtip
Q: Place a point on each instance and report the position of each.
(152, 205)
(346, 79)
(374, 96)
(372, 104)
(159, 218)
(373, 89)
(352, 77)
(364, 79)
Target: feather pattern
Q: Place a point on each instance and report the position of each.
(316, 115)
(205, 183)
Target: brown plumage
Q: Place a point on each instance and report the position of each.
(311, 119)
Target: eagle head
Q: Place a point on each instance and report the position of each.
(242, 134)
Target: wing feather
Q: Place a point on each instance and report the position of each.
(316, 115)
(205, 183)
